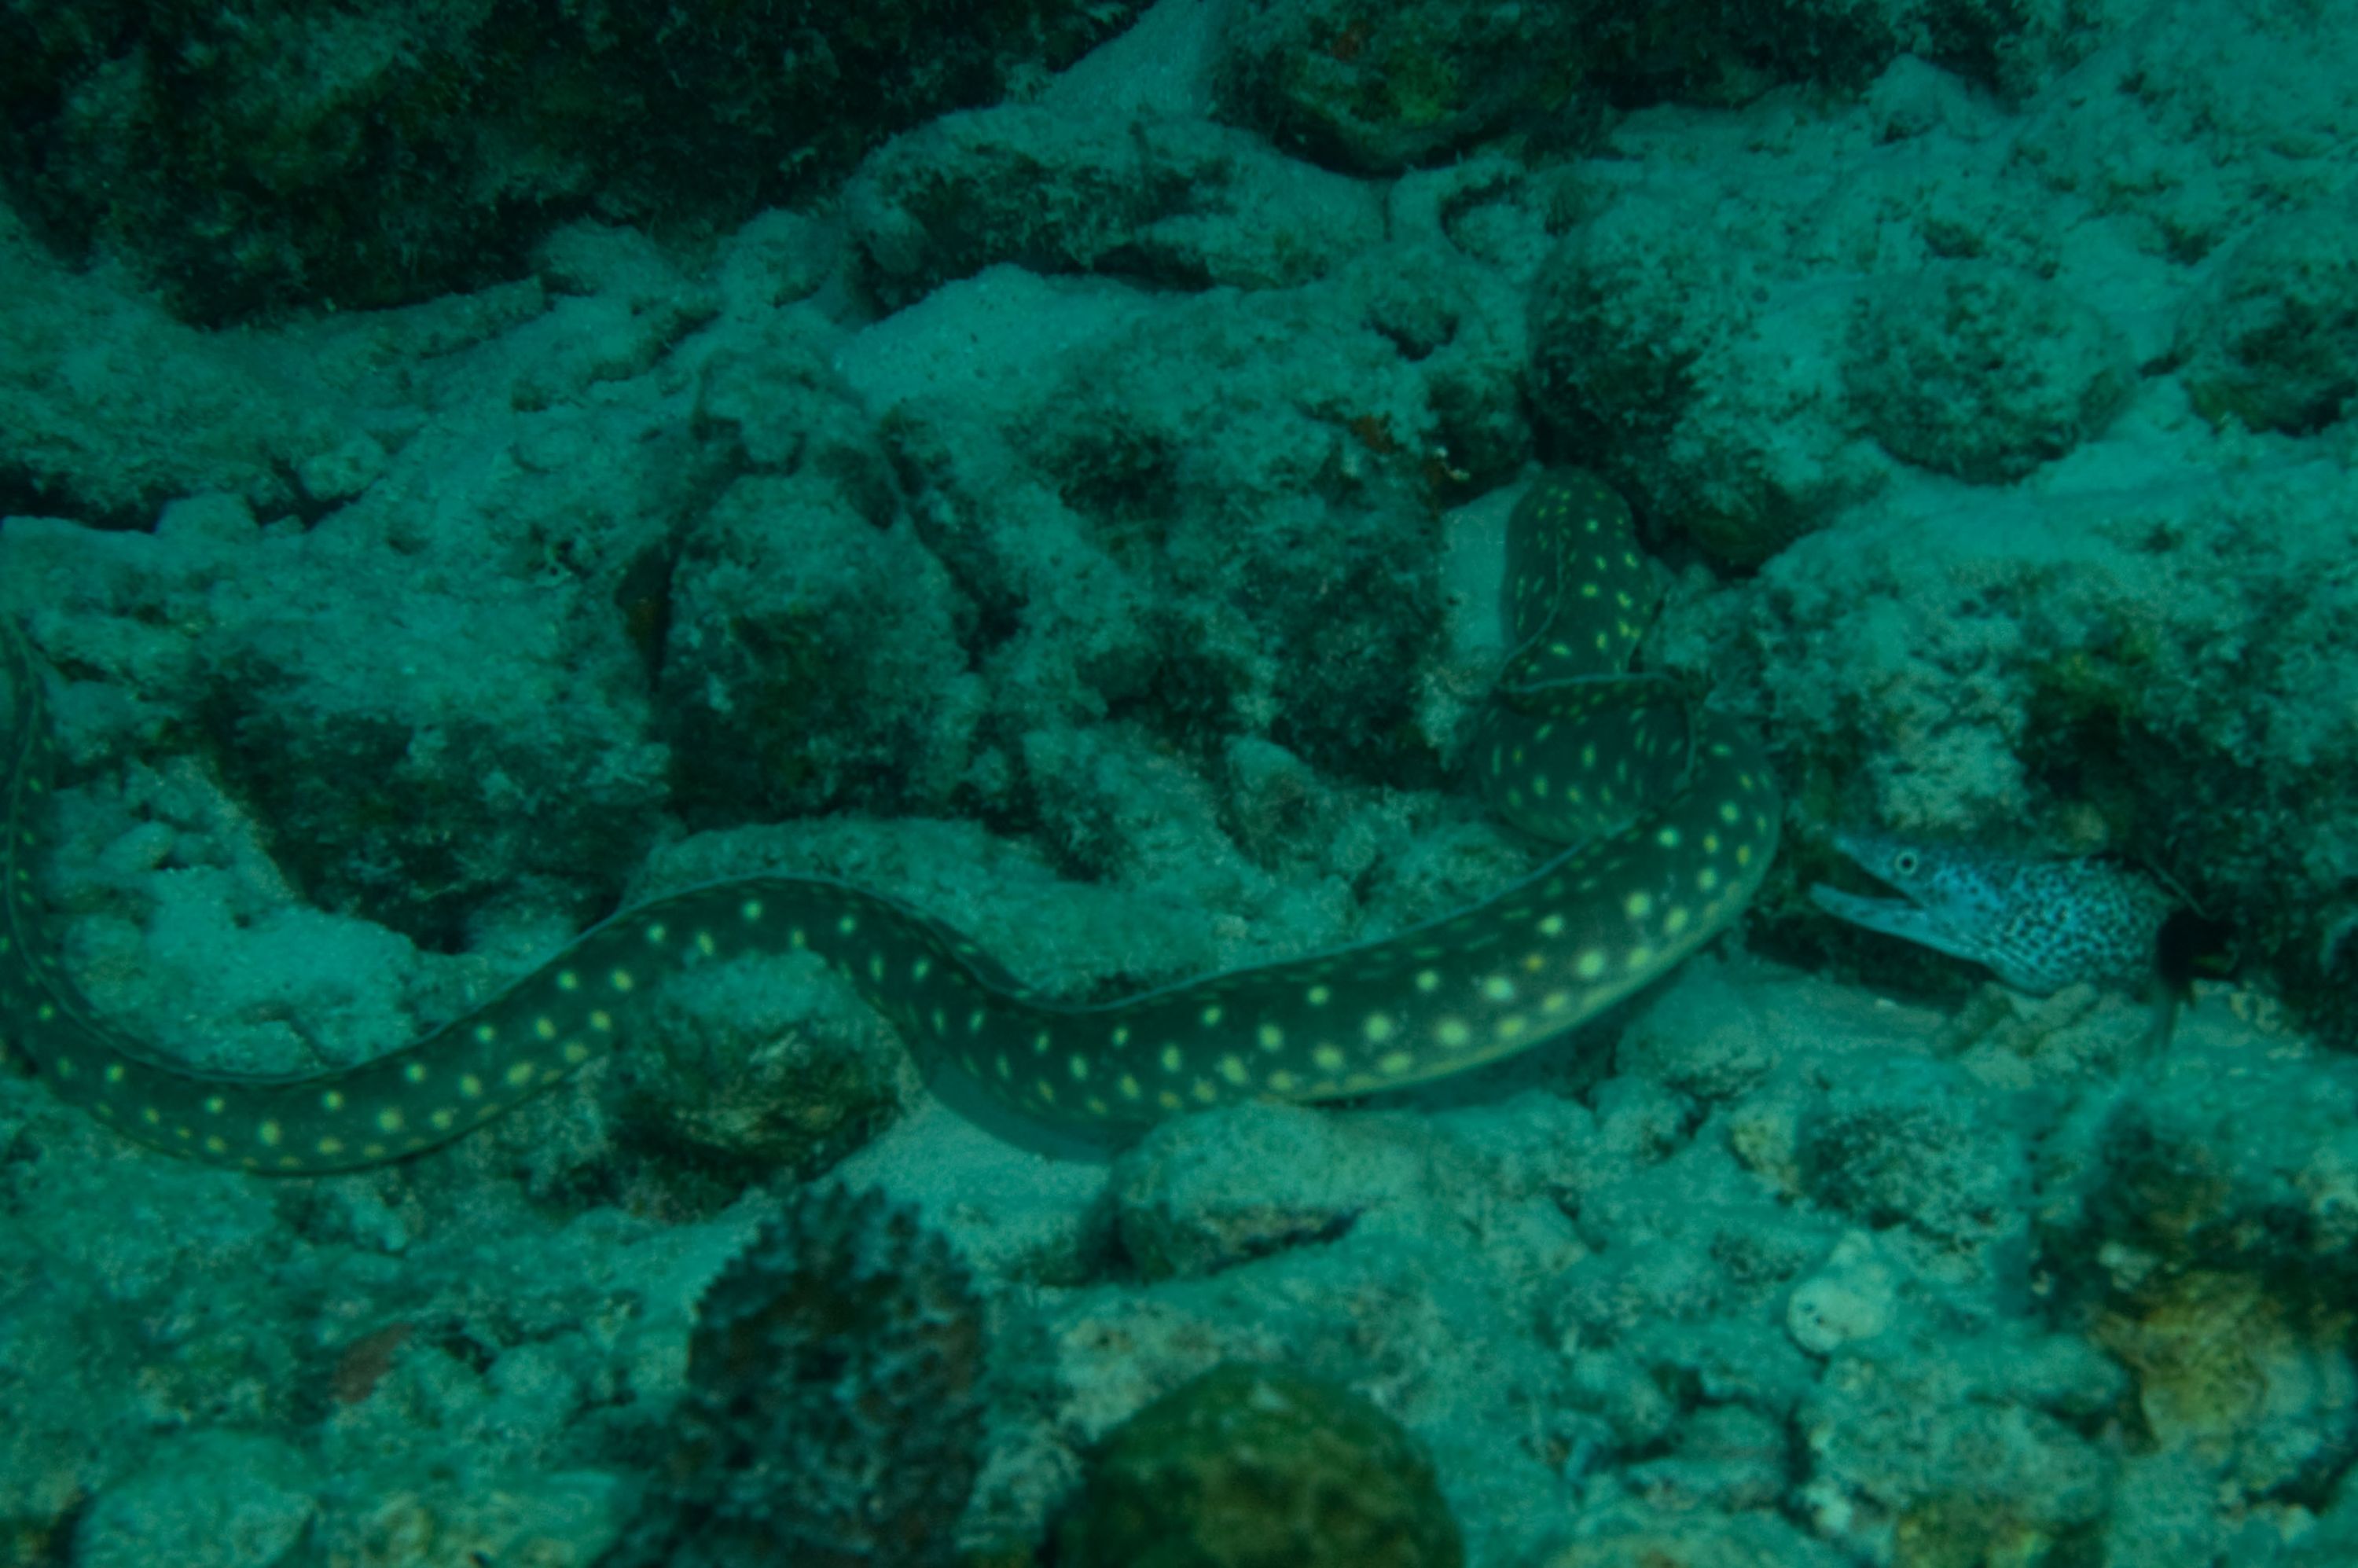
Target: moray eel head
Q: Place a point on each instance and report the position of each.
(2039, 925)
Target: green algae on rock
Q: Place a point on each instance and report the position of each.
(1258, 1467)
(834, 1414)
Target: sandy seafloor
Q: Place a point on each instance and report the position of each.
(1995, 446)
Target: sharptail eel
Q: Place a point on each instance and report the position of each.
(1672, 810)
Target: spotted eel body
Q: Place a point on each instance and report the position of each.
(2038, 924)
(1677, 809)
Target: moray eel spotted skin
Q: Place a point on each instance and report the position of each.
(1677, 808)
(2037, 924)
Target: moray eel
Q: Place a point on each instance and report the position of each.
(2037, 924)
(1673, 810)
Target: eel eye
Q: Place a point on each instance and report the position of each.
(1904, 862)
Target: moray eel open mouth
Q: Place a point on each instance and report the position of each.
(1673, 810)
(1946, 898)
(1908, 916)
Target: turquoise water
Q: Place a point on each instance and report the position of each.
(910, 530)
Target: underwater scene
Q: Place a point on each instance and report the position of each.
(1211, 783)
